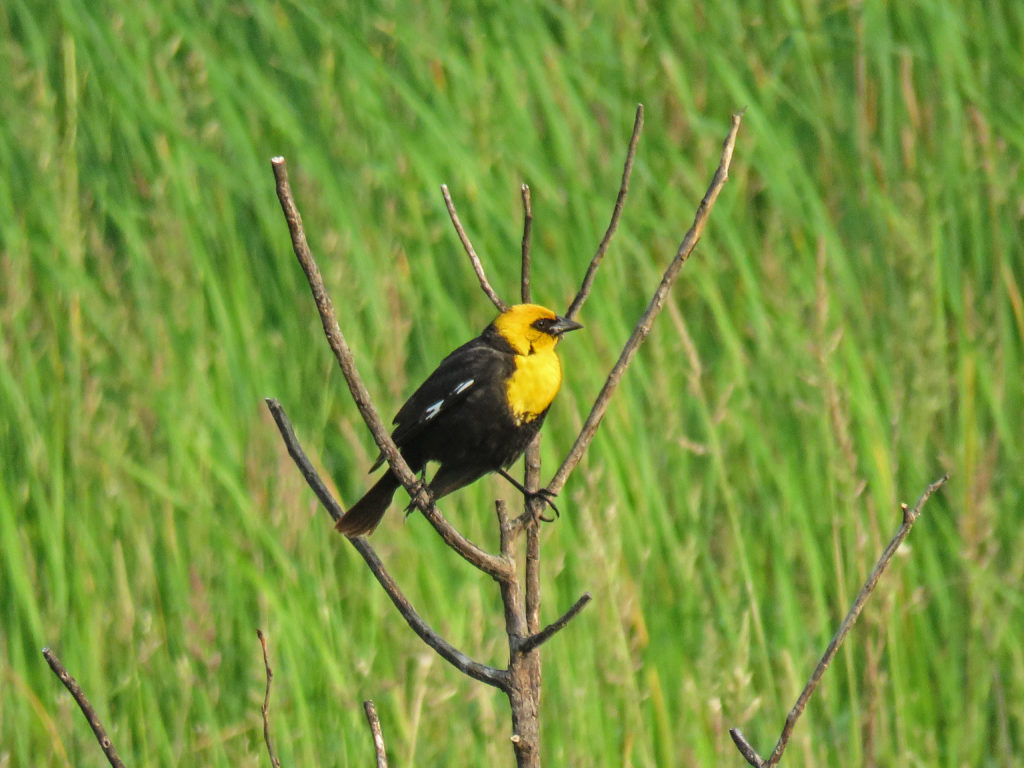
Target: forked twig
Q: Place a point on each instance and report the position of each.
(265, 709)
(910, 516)
(478, 267)
(653, 309)
(83, 704)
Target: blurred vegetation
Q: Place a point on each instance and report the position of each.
(850, 328)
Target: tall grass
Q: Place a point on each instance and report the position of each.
(850, 328)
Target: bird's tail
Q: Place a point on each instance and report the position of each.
(363, 516)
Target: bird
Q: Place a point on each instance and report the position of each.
(476, 413)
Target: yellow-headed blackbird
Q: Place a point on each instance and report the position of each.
(477, 412)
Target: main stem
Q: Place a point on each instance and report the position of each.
(524, 669)
(524, 699)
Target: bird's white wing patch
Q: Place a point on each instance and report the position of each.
(435, 408)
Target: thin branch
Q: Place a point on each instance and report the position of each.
(378, 735)
(336, 339)
(478, 267)
(748, 752)
(284, 426)
(83, 704)
(524, 286)
(420, 497)
(545, 634)
(485, 674)
(265, 709)
(653, 309)
(620, 201)
(909, 518)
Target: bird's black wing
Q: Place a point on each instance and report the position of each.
(472, 367)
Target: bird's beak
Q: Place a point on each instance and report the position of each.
(563, 325)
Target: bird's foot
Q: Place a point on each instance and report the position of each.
(545, 497)
(422, 488)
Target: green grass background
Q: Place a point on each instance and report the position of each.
(849, 329)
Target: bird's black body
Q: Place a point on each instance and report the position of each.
(473, 432)
(460, 417)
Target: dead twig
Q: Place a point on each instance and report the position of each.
(83, 704)
(620, 201)
(524, 280)
(265, 709)
(478, 267)
(378, 735)
(545, 634)
(910, 516)
(335, 338)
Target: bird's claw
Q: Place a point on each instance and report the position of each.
(422, 487)
(546, 497)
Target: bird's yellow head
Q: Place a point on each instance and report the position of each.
(531, 328)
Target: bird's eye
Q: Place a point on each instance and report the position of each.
(544, 324)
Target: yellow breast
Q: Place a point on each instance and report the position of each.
(534, 384)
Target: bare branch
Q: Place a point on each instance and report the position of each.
(653, 309)
(83, 704)
(265, 709)
(545, 634)
(336, 339)
(748, 752)
(909, 518)
(485, 674)
(378, 736)
(524, 286)
(478, 267)
(620, 201)
(284, 426)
